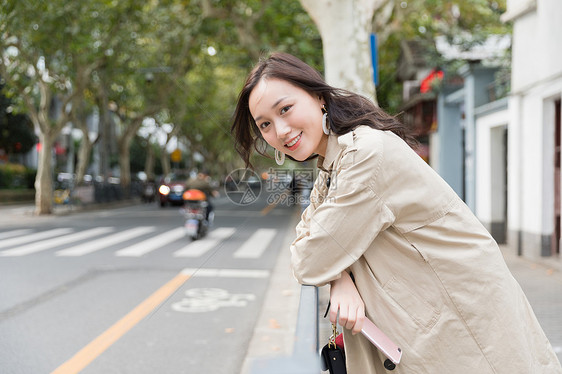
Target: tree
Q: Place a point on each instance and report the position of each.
(345, 27)
(244, 30)
(43, 64)
(132, 60)
(240, 32)
(141, 80)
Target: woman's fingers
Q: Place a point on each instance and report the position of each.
(334, 312)
(345, 299)
(349, 318)
(359, 321)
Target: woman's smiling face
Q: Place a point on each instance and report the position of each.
(289, 118)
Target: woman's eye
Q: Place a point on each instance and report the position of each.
(263, 125)
(285, 109)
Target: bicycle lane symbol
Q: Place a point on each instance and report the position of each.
(199, 300)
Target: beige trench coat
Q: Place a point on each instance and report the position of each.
(430, 275)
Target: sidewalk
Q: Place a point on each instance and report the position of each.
(275, 329)
(16, 212)
(542, 283)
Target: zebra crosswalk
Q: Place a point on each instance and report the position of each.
(39, 246)
(101, 243)
(132, 242)
(15, 241)
(198, 248)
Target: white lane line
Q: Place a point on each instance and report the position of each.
(101, 243)
(199, 247)
(14, 242)
(256, 244)
(51, 243)
(149, 245)
(10, 234)
(226, 273)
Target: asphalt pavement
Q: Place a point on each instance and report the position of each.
(275, 328)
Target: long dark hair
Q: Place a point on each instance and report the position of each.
(346, 110)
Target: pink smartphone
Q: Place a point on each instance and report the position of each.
(381, 341)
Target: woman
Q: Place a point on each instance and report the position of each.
(393, 240)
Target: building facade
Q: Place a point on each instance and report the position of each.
(534, 128)
(462, 123)
(501, 153)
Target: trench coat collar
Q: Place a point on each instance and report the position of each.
(336, 143)
(326, 162)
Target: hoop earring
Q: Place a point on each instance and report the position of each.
(325, 128)
(279, 157)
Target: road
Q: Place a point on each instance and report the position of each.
(124, 291)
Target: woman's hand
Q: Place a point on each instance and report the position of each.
(345, 298)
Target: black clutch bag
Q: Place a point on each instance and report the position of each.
(333, 357)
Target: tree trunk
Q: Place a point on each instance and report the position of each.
(165, 161)
(125, 164)
(84, 153)
(48, 132)
(345, 26)
(44, 179)
(149, 161)
(124, 144)
(103, 132)
(79, 119)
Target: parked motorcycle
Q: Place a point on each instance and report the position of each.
(195, 211)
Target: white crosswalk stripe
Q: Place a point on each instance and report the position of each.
(256, 244)
(200, 247)
(149, 245)
(13, 242)
(101, 243)
(24, 242)
(51, 243)
(9, 234)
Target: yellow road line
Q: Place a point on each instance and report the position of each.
(268, 209)
(97, 346)
(271, 206)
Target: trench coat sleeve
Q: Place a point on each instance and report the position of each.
(335, 233)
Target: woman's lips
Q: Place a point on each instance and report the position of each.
(294, 143)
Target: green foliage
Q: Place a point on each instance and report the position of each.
(182, 62)
(241, 32)
(16, 176)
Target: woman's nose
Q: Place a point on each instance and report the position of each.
(282, 129)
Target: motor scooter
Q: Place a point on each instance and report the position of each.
(195, 208)
(148, 192)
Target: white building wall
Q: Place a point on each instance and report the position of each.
(491, 181)
(532, 164)
(514, 174)
(535, 83)
(537, 47)
(488, 207)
